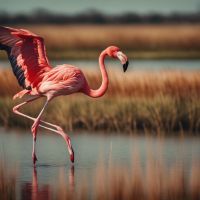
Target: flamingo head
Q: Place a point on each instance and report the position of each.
(115, 52)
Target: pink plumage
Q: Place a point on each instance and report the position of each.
(27, 55)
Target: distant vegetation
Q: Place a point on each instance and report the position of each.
(137, 101)
(137, 41)
(42, 16)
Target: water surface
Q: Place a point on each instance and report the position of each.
(166, 64)
(91, 150)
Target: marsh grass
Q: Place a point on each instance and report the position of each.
(178, 84)
(153, 101)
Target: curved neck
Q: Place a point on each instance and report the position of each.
(104, 85)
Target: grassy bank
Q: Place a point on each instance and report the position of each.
(138, 41)
(125, 115)
(147, 101)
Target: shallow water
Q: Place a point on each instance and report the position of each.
(91, 150)
(166, 64)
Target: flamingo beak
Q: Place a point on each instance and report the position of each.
(124, 60)
(125, 66)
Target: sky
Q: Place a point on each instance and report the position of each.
(106, 6)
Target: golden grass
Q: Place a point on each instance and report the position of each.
(156, 101)
(179, 84)
(81, 41)
(150, 84)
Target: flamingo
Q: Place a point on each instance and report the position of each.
(27, 55)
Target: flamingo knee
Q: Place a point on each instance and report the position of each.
(34, 127)
(15, 109)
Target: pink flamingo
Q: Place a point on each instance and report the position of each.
(27, 55)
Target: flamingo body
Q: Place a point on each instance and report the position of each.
(27, 55)
(61, 80)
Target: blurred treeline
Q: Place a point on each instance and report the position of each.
(42, 16)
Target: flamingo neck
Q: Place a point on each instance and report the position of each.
(104, 85)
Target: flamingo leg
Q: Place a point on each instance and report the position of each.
(34, 130)
(57, 129)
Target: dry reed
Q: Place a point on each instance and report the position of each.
(159, 101)
(180, 84)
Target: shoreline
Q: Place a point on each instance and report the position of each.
(141, 55)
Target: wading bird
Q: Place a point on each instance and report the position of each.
(27, 55)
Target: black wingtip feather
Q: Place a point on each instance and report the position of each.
(17, 70)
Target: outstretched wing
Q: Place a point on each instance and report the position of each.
(27, 55)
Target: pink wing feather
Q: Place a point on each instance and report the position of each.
(27, 55)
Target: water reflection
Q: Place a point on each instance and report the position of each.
(71, 179)
(104, 165)
(152, 64)
(30, 190)
(35, 191)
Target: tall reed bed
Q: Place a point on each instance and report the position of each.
(174, 83)
(157, 101)
(125, 115)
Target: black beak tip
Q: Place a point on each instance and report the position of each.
(125, 66)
